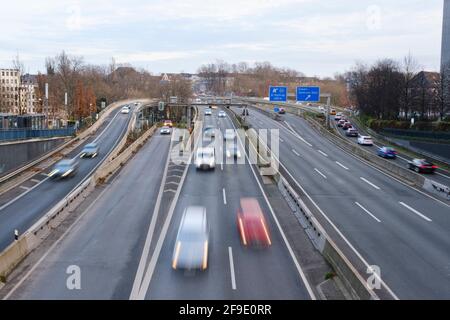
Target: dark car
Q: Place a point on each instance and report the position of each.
(64, 169)
(421, 166)
(282, 111)
(89, 150)
(387, 152)
(351, 132)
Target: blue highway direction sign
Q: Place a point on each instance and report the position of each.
(309, 94)
(278, 93)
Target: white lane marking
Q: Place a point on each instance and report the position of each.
(368, 212)
(221, 166)
(370, 183)
(24, 193)
(442, 175)
(24, 188)
(35, 180)
(296, 134)
(341, 165)
(286, 242)
(415, 211)
(323, 153)
(224, 196)
(296, 153)
(317, 170)
(233, 278)
(43, 174)
(56, 243)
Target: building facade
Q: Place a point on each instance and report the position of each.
(10, 91)
(28, 91)
(445, 54)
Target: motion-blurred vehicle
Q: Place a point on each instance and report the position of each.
(208, 112)
(351, 132)
(164, 130)
(168, 123)
(347, 125)
(205, 159)
(89, 150)
(64, 169)
(365, 140)
(222, 114)
(209, 132)
(341, 123)
(251, 223)
(332, 112)
(387, 152)
(136, 103)
(281, 111)
(125, 110)
(229, 135)
(191, 245)
(337, 117)
(233, 151)
(422, 166)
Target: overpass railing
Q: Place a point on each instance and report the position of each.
(22, 134)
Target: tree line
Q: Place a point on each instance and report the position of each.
(391, 90)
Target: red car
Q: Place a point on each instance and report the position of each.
(252, 225)
(347, 125)
(168, 123)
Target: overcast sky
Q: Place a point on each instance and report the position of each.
(317, 37)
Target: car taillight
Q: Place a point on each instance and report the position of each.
(434, 167)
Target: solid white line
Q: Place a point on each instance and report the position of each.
(415, 211)
(368, 212)
(341, 165)
(24, 188)
(286, 242)
(35, 180)
(323, 153)
(233, 278)
(324, 176)
(224, 196)
(221, 166)
(368, 182)
(442, 175)
(23, 194)
(296, 153)
(296, 134)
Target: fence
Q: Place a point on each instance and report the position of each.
(21, 134)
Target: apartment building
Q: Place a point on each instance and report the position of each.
(9, 91)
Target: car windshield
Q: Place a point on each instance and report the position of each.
(205, 153)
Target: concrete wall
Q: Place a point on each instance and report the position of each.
(17, 154)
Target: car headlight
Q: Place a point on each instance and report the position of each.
(228, 153)
(239, 154)
(53, 172)
(65, 174)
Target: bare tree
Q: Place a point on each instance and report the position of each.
(409, 69)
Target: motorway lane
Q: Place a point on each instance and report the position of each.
(22, 213)
(405, 245)
(259, 273)
(442, 176)
(108, 240)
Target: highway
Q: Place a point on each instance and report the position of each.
(107, 242)
(442, 176)
(268, 273)
(42, 193)
(403, 231)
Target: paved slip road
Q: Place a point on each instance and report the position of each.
(259, 273)
(22, 212)
(108, 240)
(391, 225)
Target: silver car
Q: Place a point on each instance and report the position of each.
(64, 168)
(222, 114)
(90, 150)
(165, 130)
(191, 246)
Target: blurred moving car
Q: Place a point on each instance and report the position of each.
(89, 150)
(333, 112)
(229, 135)
(387, 152)
(422, 166)
(351, 132)
(251, 223)
(208, 112)
(191, 245)
(222, 114)
(164, 130)
(205, 158)
(125, 110)
(168, 123)
(281, 111)
(233, 151)
(209, 132)
(365, 140)
(64, 168)
(341, 123)
(337, 117)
